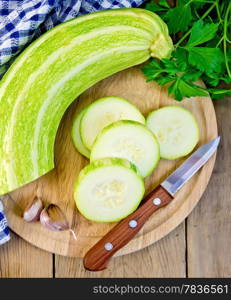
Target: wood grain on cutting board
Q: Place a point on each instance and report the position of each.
(205, 258)
(57, 186)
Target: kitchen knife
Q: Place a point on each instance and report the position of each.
(99, 255)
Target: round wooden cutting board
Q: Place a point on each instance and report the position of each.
(57, 186)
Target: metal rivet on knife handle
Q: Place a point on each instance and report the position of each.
(157, 201)
(108, 246)
(133, 223)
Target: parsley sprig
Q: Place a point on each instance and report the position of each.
(201, 31)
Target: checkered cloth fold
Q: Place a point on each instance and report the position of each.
(4, 230)
(22, 21)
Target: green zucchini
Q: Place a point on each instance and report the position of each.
(48, 76)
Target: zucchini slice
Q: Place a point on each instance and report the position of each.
(176, 130)
(130, 140)
(108, 190)
(75, 133)
(102, 113)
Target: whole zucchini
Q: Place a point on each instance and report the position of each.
(48, 76)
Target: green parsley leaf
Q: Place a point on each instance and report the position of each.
(184, 2)
(201, 33)
(181, 57)
(180, 89)
(212, 79)
(206, 59)
(165, 79)
(164, 3)
(198, 4)
(170, 66)
(161, 6)
(192, 75)
(227, 79)
(219, 93)
(152, 70)
(178, 18)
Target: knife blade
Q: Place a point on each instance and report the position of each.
(99, 255)
(178, 178)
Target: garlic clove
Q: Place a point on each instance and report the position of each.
(53, 218)
(33, 210)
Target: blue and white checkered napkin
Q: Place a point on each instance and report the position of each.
(4, 230)
(22, 21)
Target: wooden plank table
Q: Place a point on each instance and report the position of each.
(199, 247)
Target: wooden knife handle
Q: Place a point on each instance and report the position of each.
(99, 255)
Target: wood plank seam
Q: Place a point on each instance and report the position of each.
(186, 247)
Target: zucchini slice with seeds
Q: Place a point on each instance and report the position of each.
(102, 113)
(130, 140)
(176, 130)
(108, 190)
